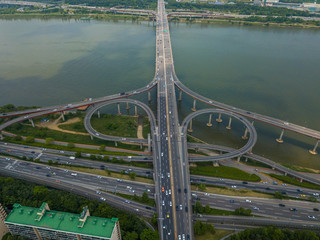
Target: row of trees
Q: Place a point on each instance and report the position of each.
(201, 228)
(271, 232)
(16, 191)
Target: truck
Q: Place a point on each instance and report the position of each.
(72, 158)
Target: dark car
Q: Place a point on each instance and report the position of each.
(282, 205)
(186, 208)
(316, 209)
(231, 201)
(299, 190)
(148, 207)
(293, 209)
(283, 192)
(179, 190)
(185, 190)
(245, 182)
(102, 167)
(38, 167)
(48, 175)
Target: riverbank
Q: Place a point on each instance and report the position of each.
(127, 17)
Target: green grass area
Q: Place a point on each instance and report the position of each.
(41, 132)
(298, 169)
(220, 233)
(254, 163)
(140, 199)
(146, 127)
(293, 181)
(75, 149)
(123, 126)
(197, 152)
(224, 172)
(76, 127)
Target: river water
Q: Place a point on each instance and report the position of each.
(272, 71)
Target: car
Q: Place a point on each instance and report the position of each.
(65, 170)
(283, 192)
(231, 201)
(98, 192)
(33, 152)
(185, 190)
(99, 177)
(275, 183)
(162, 202)
(25, 147)
(315, 194)
(127, 201)
(247, 200)
(168, 215)
(311, 217)
(179, 237)
(137, 210)
(162, 189)
(293, 209)
(74, 174)
(245, 182)
(169, 191)
(102, 198)
(170, 204)
(48, 175)
(132, 191)
(179, 190)
(316, 209)
(148, 208)
(268, 188)
(38, 167)
(283, 184)
(210, 101)
(48, 168)
(233, 186)
(168, 174)
(119, 180)
(303, 195)
(97, 134)
(281, 205)
(180, 207)
(147, 190)
(286, 123)
(299, 190)
(256, 208)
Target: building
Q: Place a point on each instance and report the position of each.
(43, 223)
(3, 228)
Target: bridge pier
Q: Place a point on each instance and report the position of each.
(31, 121)
(209, 124)
(127, 106)
(116, 144)
(314, 150)
(62, 115)
(119, 112)
(98, 114)
(136, 111)
(1, 136)
(238, 159)
(190, 127)
(91, 137)
(229, 125)
(149, 143)
(141, 146)
(285, 174)
(301, 180)
(245, 135)
(180, 95)
(194, 106)
(279, 140)
(149, 97)
(219, 120)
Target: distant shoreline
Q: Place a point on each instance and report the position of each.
(146, 18)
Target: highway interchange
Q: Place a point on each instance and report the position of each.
(172, 189)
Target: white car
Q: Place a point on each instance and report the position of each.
(233, 186)
(127, 201)
(312, 217)
(256, 208)
(170, 204)
(103, 199)
(316, 194)
(247, 200)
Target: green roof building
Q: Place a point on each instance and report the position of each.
(43, 223)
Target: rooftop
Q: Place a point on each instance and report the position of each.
(62, 221)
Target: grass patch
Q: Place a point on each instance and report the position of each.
(139, 199)
(197, 152)
(41, 132)
(224, 172)
(76, 127)
(108, 174)
(254, 163)
(293, 181)
(146, 128)
(122, 126)
(233, 192)
(220, 233)
(74, 149)
(299, 169)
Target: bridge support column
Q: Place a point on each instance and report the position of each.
(98, 114)
(190, 127)
(91, 137)
(219, 120)
(119, 112)
(32, 123)
(196, 149)
(135, 111)
(245, 135)
(62, 115)
(180, 95)
(149, 143)
(209, 124)
(194, 106)
(149, 97)
(279, 140)
(301, 180)
(116, 144)
(314, 150)
(127, 106)
(229, 125)
(238, 159)
(141, 145)
(246, 160)
(285, 174)
(1, 136)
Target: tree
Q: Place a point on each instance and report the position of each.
(93, 157)
(211, 228)
(77, 154)
(312, 199)
(70, 145)
(50, 162)
(49, 141)
(102, 148)
(106, 158)
(24, 158)
(29, 140)
(148, 234)
(207, 209)
(154, 219)
(132, 175)
(131, 236)
(198, 207)
(145, 197)
(278, 195)
(199, 228)
(242, 212)
(17, 138)
(40, 191)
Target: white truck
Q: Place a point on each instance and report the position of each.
(72, 158)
